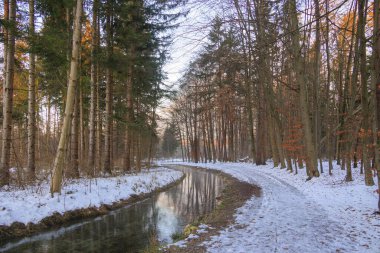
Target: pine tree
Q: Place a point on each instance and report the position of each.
(8, 96)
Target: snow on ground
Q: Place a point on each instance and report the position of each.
(325, 214)
(35, 203)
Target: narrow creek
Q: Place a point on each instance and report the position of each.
(130, 228)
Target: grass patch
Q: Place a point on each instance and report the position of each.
(154, 244)
(178, 236)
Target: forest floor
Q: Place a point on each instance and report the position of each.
(29, 210)
(325, 214)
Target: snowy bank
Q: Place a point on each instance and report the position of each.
(325, 214)
(35, 203)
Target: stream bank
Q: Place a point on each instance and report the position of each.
(233, 196)
(58, 219)
(130, 228)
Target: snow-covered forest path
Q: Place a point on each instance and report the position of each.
(283, 220)
(287, 219)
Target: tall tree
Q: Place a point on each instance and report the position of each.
(56, 181)
(316, 83)
(8, 96)
(32, 97)
(376, 86)
(109, 88)
(311, 157)
(92, 123)
(362, 6)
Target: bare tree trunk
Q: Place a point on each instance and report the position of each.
(376, 86)
(138, 152)
(6, 33)
(109, 84)
(151, 137)
(93, 85)
(56, 181)
(362, 5)
(328, 130)
(98, 126)
(275, 154)
(31, 99)
(311, 157)
(82, 130)
(99, 120)
(317, 79)
(278, 140)
(74, 154)
(8, 98)
(260, 135)
(262, 10)
(181, 142)
(211, 133)
(244, 26)
(195, 127)
(129, 116)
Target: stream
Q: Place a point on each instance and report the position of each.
(129, 229)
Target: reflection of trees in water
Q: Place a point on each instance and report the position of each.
(197, 195)
(122, 229)
(129, 228)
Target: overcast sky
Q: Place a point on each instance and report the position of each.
(190, 36)
(188, 39)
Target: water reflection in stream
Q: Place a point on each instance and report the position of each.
(129, 229)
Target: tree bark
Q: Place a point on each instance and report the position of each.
(327, 118)
(56, 182)
(311, 157)
(93, 85)
(98, 126)
(74, 152)
(109, 96)
(376, 86)
(129, 114)
(316, 83)
(8, 98)
(362, 4)
(31, 98)
(6, 33)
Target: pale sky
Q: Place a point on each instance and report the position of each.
(190, 36)
(188, 39)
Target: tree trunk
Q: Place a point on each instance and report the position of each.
(56, 182)
(376, 86)
(181, 142)
(311, 158)
(98, 125)
(8, 98)
(211, 133)
(109, 97)
(275, 154)
(195, 127)
(327, 118)
(31, 98)
(129, 115)
(316, 82)
(151, 137)
(74, 152)
(362, 5)
(93, 85)
(6, 33)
